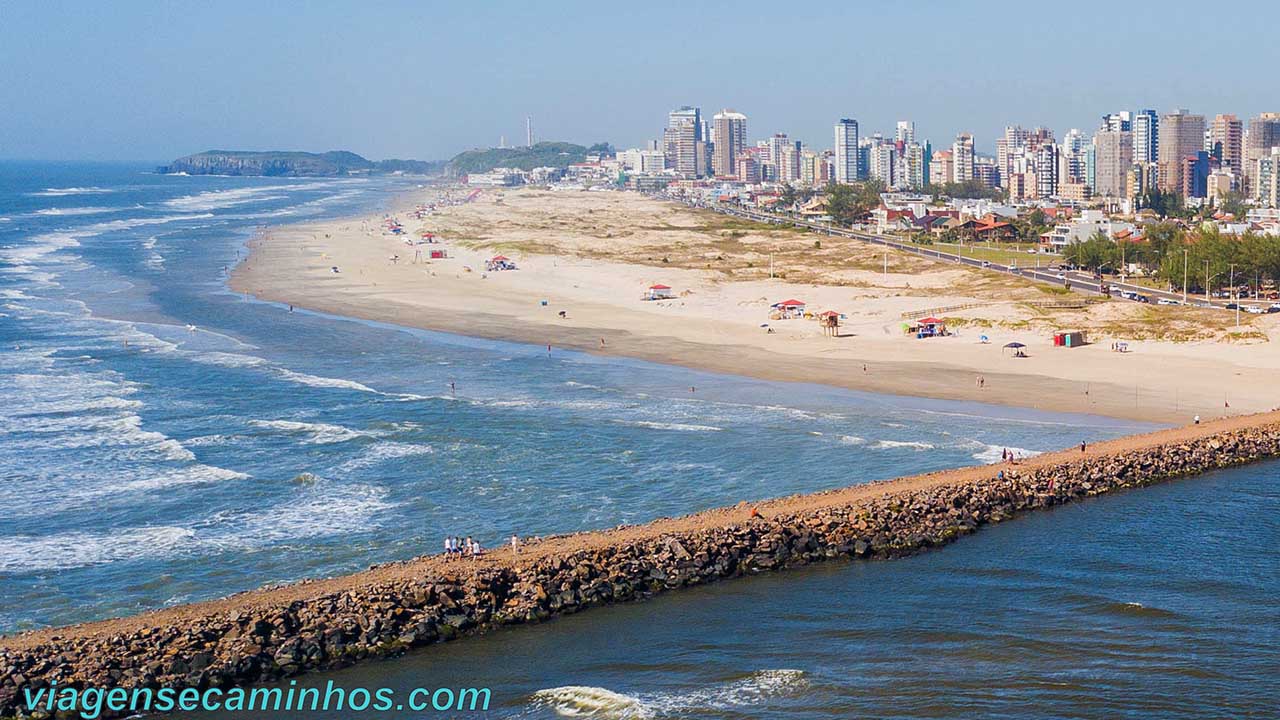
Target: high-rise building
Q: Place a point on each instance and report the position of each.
(682, 138)
(880, 161)
(1264, 134)
(1267, 179)
(1113, 159)
(729, 130)
(1181, 137)
(914, 168)
(1146, 136)
(906, 132)
(962, 157)
(784, 157)
(941, 168)
(1118, 121)
(1047, 162)
(1195, 175)
(1226, 141)
(846, 149)
(1073, 157)
(986, 171)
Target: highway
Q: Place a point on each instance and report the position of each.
(1079, 281)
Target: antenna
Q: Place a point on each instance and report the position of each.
(528, 130)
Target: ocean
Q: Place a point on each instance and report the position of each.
(164, 440)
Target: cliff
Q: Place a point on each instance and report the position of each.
(291, 164)
(279, 632)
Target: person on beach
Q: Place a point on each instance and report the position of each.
(755, 513)
(467, 545)
(1082, 447)
(1197, 420)
(515, 545)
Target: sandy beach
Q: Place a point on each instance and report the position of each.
(592, 256)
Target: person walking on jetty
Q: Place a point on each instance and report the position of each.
(1082, 447)
(515, 545)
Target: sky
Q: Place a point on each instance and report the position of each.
(151, 81)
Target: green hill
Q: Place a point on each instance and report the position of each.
(291, 164)
(543, 154)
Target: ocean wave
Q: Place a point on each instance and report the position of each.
(992, 453)
(61, 192)
(41, 246)
(319, 510)
(317, 433)
(382, 451)
(598, 702)
(64, 551)
(852, 440)
(682, 427)
(216, 199)
(90, 210)
(325, 382)
(892, 444)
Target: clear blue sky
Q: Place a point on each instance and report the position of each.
(150, 81)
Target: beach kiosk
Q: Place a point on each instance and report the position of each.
(659, 292)
(499, 262)
(789, 309)
(930, 327)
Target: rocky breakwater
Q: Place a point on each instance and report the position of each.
(273, 633)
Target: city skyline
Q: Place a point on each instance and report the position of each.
(374, 81)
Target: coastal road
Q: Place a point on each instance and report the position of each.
(1075, 280)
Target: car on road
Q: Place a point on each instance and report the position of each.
(1167, 301)
(1254, 310)
(1231, 306)
(1061, 276)
(1275, 308)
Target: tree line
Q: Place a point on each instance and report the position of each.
(1203, 257)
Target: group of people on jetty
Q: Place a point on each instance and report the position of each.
(459, 548)
(455, 547)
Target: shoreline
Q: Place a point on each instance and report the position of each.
(279, 631)
(290, 265)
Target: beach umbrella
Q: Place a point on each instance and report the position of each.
(984, 339)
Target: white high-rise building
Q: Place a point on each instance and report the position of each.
(962, 158)
(906, 132)
(1146, 137)
(846, 149)
(881, 160)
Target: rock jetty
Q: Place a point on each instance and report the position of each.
(273, 633)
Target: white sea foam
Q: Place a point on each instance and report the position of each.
(852, 440)
(215, 199)
(992, 453)
(325, 382)
(382, 451)
(682, 427)
(63, 551)
(60, 192)
(911, 444)
(317, 433)
(597, 702)
(87, 210)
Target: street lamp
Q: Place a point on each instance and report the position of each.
(1184, 276)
